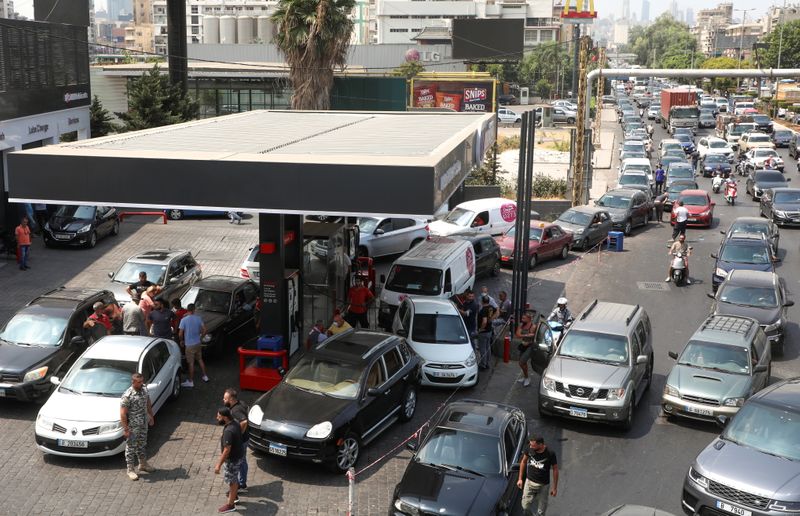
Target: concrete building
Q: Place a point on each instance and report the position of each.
(119, 7)
(621, 29)
(7, 9)
(645, 11)
(710, 27)
(140, 38)
(778, 14)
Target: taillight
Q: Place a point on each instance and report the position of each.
(243, 273)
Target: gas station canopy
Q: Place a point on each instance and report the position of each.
(331, 163)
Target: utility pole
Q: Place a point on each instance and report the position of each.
(576, 34)
(741, 41)
(580, 193)
(598, 104)
(780, 39)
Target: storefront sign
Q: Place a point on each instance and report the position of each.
(38, 128)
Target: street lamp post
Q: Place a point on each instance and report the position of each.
(741, 41)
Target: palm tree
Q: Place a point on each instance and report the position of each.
(314, 35)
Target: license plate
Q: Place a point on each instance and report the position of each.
(277, 449)
(692, 220)
(69, 443)
(700, 411)
(62, 237)
(445, 374)
(578, 412)
(733, 509)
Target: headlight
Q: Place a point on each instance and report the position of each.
(774, 326)
(207, 338)
(110, 427)
(704, 214)
(548, 383)
(785, 506)
(733, 402)
(320, 431)
(470, 360)
(616, 394)
(669, 390)
(44, 423)
(47, 226)
(579, 231)
(85, 229)
(698, 478)
(256, 415)
(36, 374)
(407, 508)
(721, 272)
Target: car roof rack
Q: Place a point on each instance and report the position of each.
(630, 316)
(591, 307)
(727, 323)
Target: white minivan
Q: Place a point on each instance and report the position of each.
(437, 268)
(494, 216)
(436, 332)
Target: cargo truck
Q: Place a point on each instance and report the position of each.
(679, 109)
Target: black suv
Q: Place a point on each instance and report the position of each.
(340, 396)
(43, 339)
(80, 225)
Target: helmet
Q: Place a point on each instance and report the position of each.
(561, 301)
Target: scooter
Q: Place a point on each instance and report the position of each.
(679, 268)
(730, 192)
(557, 330)
(716, 183)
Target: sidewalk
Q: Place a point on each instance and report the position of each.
(605, 174)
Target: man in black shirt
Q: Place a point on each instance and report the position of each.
(239, 411)
(485, 315)
(139, 287)
(468, 308)
(230, 457)
(536, 464)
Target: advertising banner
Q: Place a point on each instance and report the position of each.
(468, 96)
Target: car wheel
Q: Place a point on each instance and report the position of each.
(543, 413)
(346, 454)
(532, 262)
(175, 214)
(570, 120)
(92, 240)
(416, 242)
(115, 228)
(176, 386)
(564, 252)
(627, 423)
(409, 406)
(495, 268)
(628, 228)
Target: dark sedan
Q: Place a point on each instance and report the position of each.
(227, 306)
(628, 208)
(763, 123)
(468, 463)
(340, 396)
(80, 225)
(782, 205)
(589, 226)
(713, 162)
(743, 251)
(759, 295)
(760, 180)
(686, 142)
(781, 137)
(756, 225)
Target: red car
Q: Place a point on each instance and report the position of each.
(547, 240)
(700, 206)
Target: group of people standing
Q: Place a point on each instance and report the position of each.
(481, 316)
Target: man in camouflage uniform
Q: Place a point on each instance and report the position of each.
(136, 413)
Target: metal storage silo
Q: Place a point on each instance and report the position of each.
(245, 26)
(265, 29)
(227, 30)
(210, 29)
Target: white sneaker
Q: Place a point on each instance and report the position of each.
(521, 380)
(668, 280)
(527, 382)
(187, 383)
(205, 378)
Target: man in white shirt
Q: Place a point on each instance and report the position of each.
(681, 217)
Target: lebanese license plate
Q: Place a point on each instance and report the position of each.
(277, 449)
(578, 412)
(445, 374)
(692, 219)
(700, 411)
(69, 443)
(62, 237)
(733, 509)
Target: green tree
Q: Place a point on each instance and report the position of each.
(543, 88)
(789, 47)
(545, 63)
(666, 43)
(409, 69)
(314, 35)
(153, 102)
(723, 63)
(100, 120)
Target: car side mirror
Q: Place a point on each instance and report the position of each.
(111, 275)
(544, 346)
(401, 333)
(379, 231)
(713, 255)
(713, 203)
(373, 391)
(77, 341)
(760, 369)
(171, 281)
(788, 179)
(642, 359)
(788, 303)
(672, 355)
(722, 421)
(55, 380)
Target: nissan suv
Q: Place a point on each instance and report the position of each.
(601, 367)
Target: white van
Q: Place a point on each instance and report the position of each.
(494, 216)
(641, 164)
(439, 268)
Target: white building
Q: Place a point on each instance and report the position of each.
(7, 9)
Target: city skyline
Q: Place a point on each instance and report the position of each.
(616, 8)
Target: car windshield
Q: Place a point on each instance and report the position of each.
(336, 379)
(594, 346)
(769, 177)
(786, 197)
(694, 200)
(633, 179)
(738, 130)
(711, 355)
(766, 428)
(39, 327)
(681, 171)
(77, 212)
(459, 449)
(208, 300)
(715, 159)
(535, 233)
(761, 119)
(717, 144)
(782, 134)
(763, 153)
(642, 168)
(676, 188)
(615, 201)
(415, 280)
(758, 138)
(578, 218)
(99, 376)
(367, 225)
(634, 146)
(750, 227)
(685, 112)
(438, 329)
(129, 272)
(745, 253)
(672, 145)
(684, 138)
(459, 217)
(761, 297)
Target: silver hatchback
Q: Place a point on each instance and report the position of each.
(602, 366)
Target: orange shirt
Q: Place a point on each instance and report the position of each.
(23, 234)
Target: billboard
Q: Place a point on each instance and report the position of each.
(467, 96)
(488, 40)
(43, 67)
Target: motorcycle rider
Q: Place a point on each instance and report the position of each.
(730, 187)
(769, 164)
(679, 246)
(561, 314)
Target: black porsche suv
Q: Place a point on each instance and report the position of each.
(43, 339)
(340, 396)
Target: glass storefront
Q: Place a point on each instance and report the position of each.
(220, 96)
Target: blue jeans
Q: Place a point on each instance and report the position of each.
(23, 256)
(243, 469)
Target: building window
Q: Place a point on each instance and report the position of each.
(398, 30)
(531, 37)
(194, 9)
(195, 20)
(415, 30)
(195, 30)
(546, 35)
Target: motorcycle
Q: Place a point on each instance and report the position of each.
(730, 192)
(716, 183)
(557, 330)
(679, 268)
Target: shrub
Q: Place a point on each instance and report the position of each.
(546, 187)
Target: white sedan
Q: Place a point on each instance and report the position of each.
(714, 145)
(81, 418)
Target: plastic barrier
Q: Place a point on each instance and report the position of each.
(124, 214)
(615, 241)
